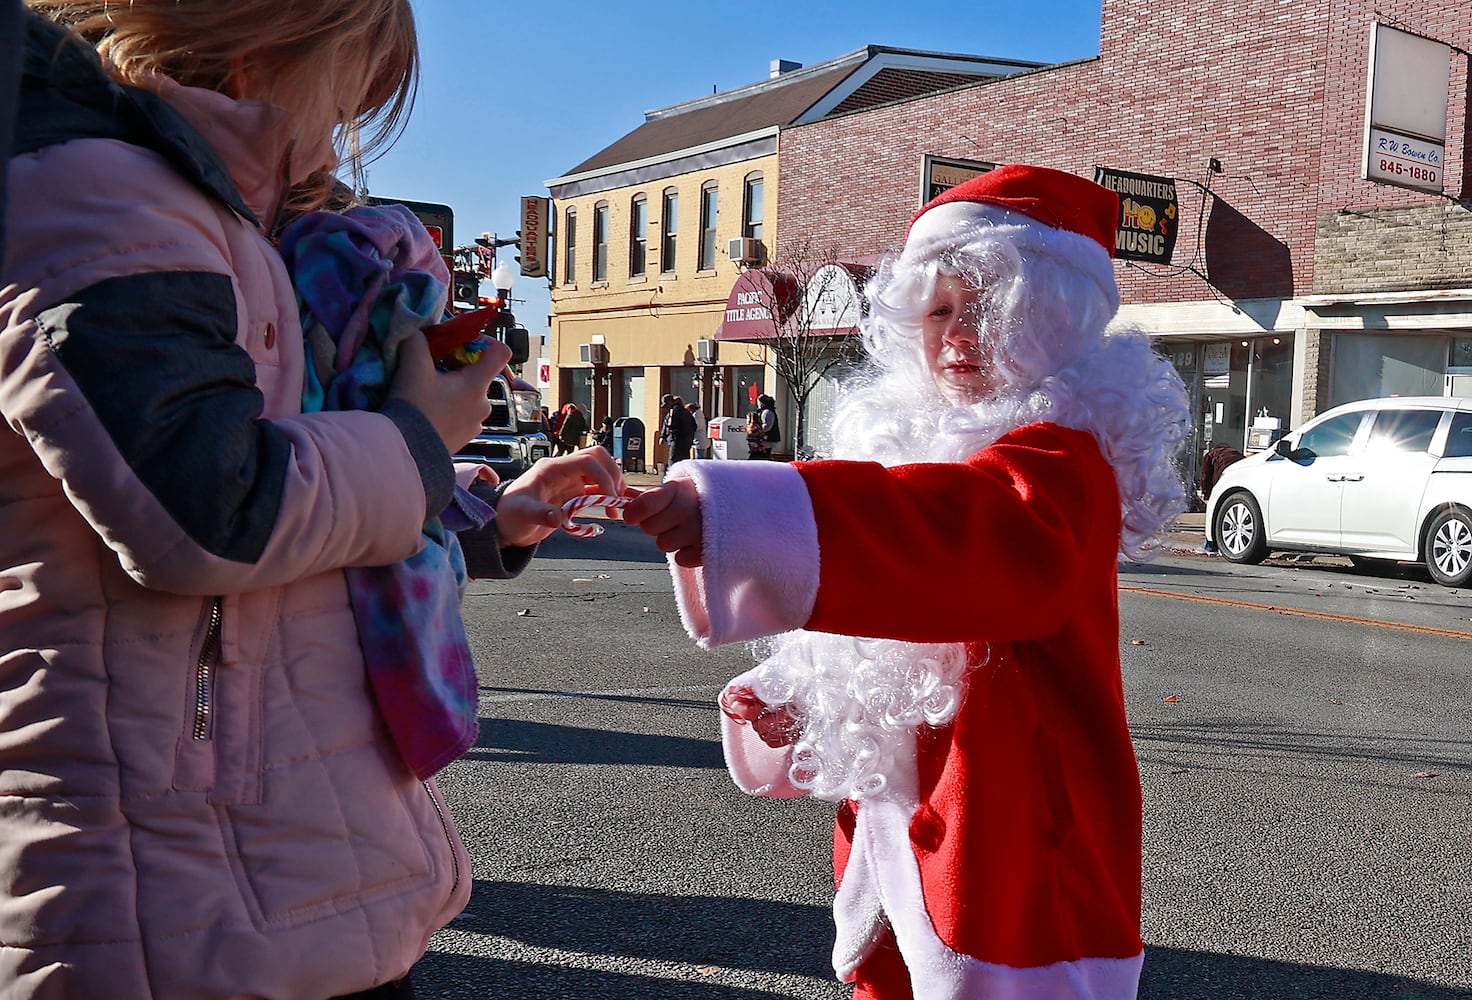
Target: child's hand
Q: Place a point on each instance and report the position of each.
(776, 727)
(454, 402)
(671, 513)
(531, 507)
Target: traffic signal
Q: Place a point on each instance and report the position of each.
(518, 247)
(467, 287)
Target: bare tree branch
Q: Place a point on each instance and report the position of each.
(801, 297)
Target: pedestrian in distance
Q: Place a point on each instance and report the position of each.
(679, 430)
(571, 429)
(756, 437)
(941, 602)
(771, 426)
(1213, 463)
(603, 436)
(202, 796)
(702, 431)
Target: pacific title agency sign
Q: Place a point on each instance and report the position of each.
(747, 307)
(1148, 210)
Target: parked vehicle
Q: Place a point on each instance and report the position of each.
(511, 439)
(1378, 480)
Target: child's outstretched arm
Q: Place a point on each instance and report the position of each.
(530, 508)
(671, 513)
(742, 543)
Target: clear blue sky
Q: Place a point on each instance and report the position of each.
(571, 77)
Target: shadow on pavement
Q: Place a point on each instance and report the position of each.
(627, 699)
(1231, 741)
(764, 935)
(467, 977)
(618, 543)
(1179, 974)
(787, 939)
(780, 938)
(518, 742)
(1128, 569)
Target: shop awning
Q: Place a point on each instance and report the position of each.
(765, 299)
(760, 300)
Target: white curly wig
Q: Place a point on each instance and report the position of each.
(1044, 321)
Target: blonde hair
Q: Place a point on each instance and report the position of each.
(291, 48)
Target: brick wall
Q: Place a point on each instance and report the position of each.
(1398, 248)
(1315, 375)
(1273, 91)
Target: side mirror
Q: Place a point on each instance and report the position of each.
(513, 335)
(1283, 448)
(516, 338)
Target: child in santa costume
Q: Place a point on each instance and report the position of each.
(944, 603)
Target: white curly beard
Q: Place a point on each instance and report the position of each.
(861, 701)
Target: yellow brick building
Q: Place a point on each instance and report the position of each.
(651, 233)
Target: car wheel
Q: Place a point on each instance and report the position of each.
(1239, 529)
(1449, 547)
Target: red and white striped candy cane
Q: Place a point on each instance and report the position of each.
(608, 503)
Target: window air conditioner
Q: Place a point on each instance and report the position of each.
(593, 354)
(705, 351)
(744, 251)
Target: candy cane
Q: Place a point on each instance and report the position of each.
(608, 503)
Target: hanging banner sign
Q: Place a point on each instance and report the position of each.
(534, 215)
(1148, 210)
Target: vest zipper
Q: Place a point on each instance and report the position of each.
(204, 671)
(450, 841)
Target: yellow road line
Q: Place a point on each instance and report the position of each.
(1326, 615)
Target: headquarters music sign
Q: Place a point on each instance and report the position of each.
(1148, 212)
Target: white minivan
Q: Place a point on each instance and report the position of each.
(1378, 480)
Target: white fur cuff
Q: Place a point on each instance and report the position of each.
(761, 552)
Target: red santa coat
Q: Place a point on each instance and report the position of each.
(1011, 867)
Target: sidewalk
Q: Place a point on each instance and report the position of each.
(1187, 535)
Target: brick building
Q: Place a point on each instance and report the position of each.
(1294, 284)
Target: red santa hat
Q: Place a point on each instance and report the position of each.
(1049, 211)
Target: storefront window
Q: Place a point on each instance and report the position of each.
(1269, 390)
(1371, 366)
(1246, 392)
(633, 392)
(1461, 355)
(682, 383)
(744, 386)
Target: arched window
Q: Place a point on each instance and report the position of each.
(709, 209)
(638, 236)
(669, 226)
(600, 242)
(569, 247)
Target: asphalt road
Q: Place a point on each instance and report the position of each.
(1305, 744)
